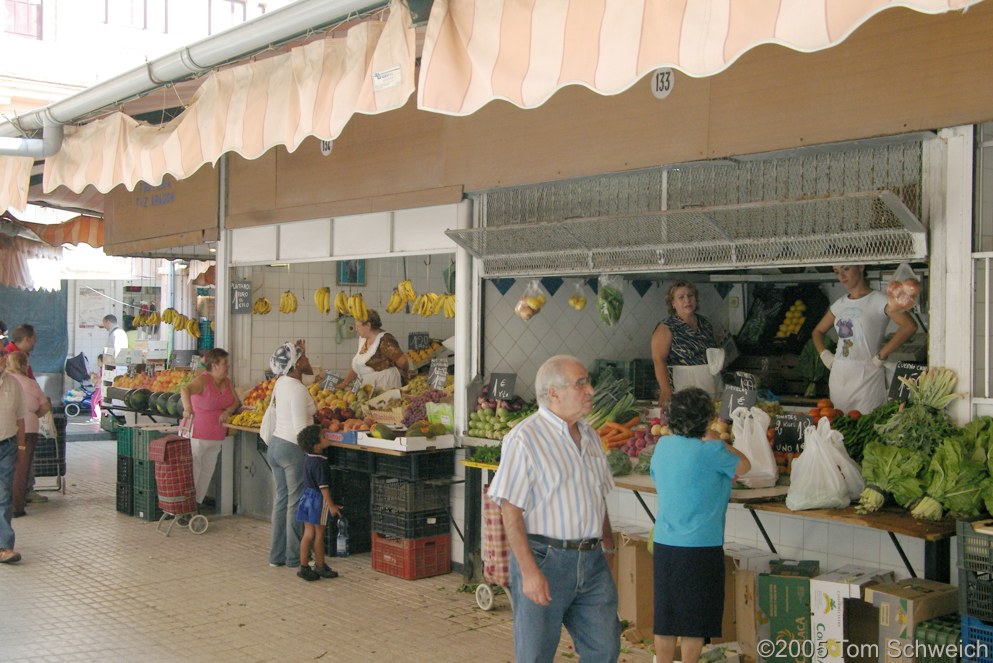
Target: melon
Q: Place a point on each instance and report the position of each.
(175, 405)
(139, 399)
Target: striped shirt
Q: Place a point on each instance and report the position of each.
(560, 489)
(11, 406)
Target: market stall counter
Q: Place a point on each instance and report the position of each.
(936, 535)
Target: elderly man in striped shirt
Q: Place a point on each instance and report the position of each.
(552, 486)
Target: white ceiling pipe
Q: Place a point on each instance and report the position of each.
(275, 27)
(36, 148)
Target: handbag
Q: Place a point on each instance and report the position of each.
(186, 426)
(268, 425)
(46, 426)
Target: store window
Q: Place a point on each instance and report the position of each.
(982, 258)
(23, 17)
(151, 15)
(225, 14)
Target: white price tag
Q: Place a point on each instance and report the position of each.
(662, 82)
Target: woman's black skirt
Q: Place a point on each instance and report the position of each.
(689, 591)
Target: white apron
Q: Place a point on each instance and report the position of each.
(696, 376)
(379, 380)
(857, 385)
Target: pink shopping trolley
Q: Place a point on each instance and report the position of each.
(495, 554)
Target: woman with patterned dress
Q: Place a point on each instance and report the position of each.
(379, 361)
(679, 345)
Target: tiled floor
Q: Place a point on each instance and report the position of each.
(96, 585)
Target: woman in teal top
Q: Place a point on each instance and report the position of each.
(693, 474)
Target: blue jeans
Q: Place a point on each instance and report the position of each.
(8, 462)
(584, 600)
(286, 461)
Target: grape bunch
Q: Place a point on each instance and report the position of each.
(417, 410)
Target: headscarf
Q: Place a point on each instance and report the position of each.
(284, 359)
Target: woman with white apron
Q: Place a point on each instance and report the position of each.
(680, 346)
(379, 361)
(858, 376)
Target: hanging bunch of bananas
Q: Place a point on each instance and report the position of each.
(446, 305)
(357, 309)
(262, 306)
(287, 302)
(192, 327)
(341, 303)
(396, 302)
(322, 300)
(425, 303)
(151, 319)
(406, 291)
(168, 315)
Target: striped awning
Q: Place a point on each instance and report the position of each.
(313, 90)
(80, 229)
(522, 51)
(16, 257)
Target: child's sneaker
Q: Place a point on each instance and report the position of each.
(326, 572)
(308, 574)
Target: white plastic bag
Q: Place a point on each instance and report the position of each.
(749, 427)
(816, 481)
(849, 468)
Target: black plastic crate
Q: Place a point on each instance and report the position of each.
(125, 470)
(976, 595)
(975, 547)
(411, 525)
(353, 460)
(352, 489)
(146, 505)
(408, 496)
(418, 465)
(125, 498)
(143, 474)
(359, 537)
(50, 457)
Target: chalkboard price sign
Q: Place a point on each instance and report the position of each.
(904, 369)
(330, 381)
(418, 340)
(241, 297)
(735, 397)
(438, 375)
(787, 436)
(502, 386)
(742, 379)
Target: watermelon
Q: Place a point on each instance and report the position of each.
(175, 405)
(139, 399)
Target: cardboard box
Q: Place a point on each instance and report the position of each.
(346, 437)
(742, 564)
(635, 580)
(834, 599)
(408, 443)
(902, 606)
(784, 606)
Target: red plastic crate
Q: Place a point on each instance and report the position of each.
(411, 559)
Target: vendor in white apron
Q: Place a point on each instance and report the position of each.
(858, 376)
(379, 361)
(680, 345)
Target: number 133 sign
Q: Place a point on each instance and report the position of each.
(662, 82)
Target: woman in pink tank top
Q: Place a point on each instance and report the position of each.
(211, 399)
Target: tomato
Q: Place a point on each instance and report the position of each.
(814, 412)
(854, 414)
(825, 402)
(826, 412)
(837, 413)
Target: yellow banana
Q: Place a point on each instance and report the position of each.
(396, 302)
(406, 289)
(319, 299)
(341, 303)
(211, 325)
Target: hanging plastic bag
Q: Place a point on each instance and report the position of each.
(749, 427)
(903, 289)
(578, 299)
(609, 299)
(531, 301)
(816, 482)
(849, 468)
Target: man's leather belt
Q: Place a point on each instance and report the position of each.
(565, 544)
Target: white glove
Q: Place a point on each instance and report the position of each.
(828, 358)
(877, 361)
